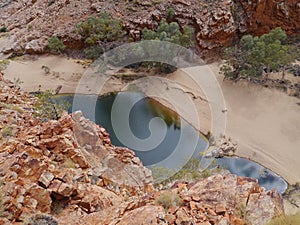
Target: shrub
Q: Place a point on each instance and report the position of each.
(170, 32)
(18, 81)
(93, 52)
(11, 107)
(3, 64)
(7, 131)
(100, 29)
(191, 171)
(49, 108)
(69, 163)
(51, 2)
(40, 219)
(56, 45)
(167, 199)
(170, 13)
(3, 29)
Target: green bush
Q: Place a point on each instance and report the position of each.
(49, 108)
(3, 29)
(56, 45)
(170, 32)
(170, 13)
(93, 52)
(100, 29)
(167, 199)
(252, 55)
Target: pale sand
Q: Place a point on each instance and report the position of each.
(63, 71)
(265, 123)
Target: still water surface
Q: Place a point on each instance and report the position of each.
(142, 112)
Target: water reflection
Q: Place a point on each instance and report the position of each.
(244, 167)
(145, 110)
(159, 110)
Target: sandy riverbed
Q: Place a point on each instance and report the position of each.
(264, 122)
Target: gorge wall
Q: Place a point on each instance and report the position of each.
(217, 23)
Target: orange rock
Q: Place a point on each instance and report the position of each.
(220, 209)
(170, 218)
(193, 205)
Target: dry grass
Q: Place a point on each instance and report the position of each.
(286, 220)
(167, 199)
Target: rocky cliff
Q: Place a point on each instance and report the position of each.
(217, 23)
(67, 171)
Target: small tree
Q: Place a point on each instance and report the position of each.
(253, 55)
(56, 45)
(98, 33)
(170, 13)
(170, 32)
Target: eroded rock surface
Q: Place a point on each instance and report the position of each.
(46, 166)
(217, 23)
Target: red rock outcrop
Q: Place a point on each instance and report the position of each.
(217, 23)
(68, 170)
(69, 162)
(260, 16)
(220, 199)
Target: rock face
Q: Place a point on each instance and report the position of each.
(260, 16)
(220, 199)
(67, 171)
(217, 23)
(46, 166)
(221, 147)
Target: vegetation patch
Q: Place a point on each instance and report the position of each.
(169, 32)
(11, 107)
(3, 29)
(167, 199)
(170, 13)
(254, 56)
(56, 45)
(286, 220)
(3, 64)
(98, 33)
(191, 171)
(7, 131)
(48, 107)
(40, 219)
